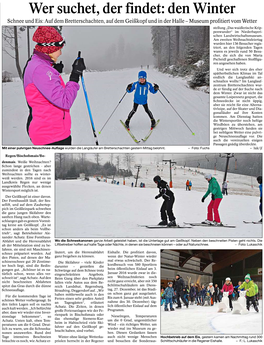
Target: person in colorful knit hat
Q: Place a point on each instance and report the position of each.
(249, 287)
(48, 98)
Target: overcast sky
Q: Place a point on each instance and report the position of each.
(241, 163)
(103, 48)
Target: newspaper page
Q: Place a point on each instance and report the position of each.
(131, 172)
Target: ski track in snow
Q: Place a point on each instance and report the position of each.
(105, 90)
(207, 320)
(99, 209)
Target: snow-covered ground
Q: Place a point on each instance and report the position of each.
(99, 209)
(207, 320)
(105, 90)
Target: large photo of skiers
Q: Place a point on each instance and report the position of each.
(214, 291)
(158, 195)
(105, 85)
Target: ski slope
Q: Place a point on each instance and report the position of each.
(100, 209)
(206, 320)
(105, 90)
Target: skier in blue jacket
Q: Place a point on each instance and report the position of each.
(141, 87)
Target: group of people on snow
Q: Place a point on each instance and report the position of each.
(49, 99)
(213, 217)
(178, 292)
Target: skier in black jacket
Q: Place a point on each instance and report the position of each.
(179, 287)
(168, 196)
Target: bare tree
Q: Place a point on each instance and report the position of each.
(117, 163)
(156, 43)
(10, 42)
(59, 164)
(177, 43)
(128, 160)
(205, 37)
(27, 28)
(10, 38)
(169, 45)
(97, 158)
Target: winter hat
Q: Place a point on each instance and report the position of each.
(208, 176)
(259, 179)
(247, 277)
(48, 39)
(157, 178)
(210, 283)
(142, 74)
(228, 279)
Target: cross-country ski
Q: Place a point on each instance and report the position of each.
(134, 138)
(130, 133)
(150, 132)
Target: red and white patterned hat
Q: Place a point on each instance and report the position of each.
(48, 39)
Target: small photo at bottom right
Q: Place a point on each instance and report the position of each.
(211, 291)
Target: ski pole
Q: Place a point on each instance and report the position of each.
(88, 106)
(113, 112)
(176, 112)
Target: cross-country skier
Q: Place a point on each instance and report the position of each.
(213, 217)
(168, 197)
(169, 293)
(179, 287)
(141, 87)
(249, 287)
(49, 99)
(259, 179)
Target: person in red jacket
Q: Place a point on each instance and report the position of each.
(228, 287)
